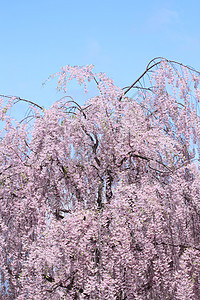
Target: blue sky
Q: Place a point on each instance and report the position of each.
(38, 37)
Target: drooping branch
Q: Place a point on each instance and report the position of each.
(148, 159)
(134, 83)
(24, 100)
(151, 66)
(182, 246)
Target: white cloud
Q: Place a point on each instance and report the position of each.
(163, 17)
(93, 48)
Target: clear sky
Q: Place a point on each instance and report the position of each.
(38, 37)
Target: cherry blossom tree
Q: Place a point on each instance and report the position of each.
(102, 201)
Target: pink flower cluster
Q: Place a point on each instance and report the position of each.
(102, 201)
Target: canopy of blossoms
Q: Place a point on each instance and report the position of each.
(102, 201)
